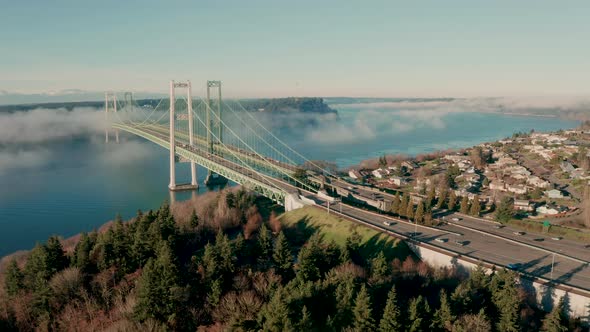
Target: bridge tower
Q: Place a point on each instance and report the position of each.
(214, 125)
(110, 100)
(128, 97)
(193, 185)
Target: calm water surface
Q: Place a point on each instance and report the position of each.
(84, 182)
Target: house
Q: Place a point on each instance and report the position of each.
(552, 209)
(523, 205)
(422, 183)
(516, 188)
(354, 174)
(536, 181)
(380, 173)
(410, 164)
(463, 165)
(497, 185)
(554, 193)
(566, 166)
(397, 181)
(578, 173)
(455, 158)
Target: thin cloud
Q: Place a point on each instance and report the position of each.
(46, 125)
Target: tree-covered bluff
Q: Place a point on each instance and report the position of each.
(291, 104)
(273, 105)
(226, 262)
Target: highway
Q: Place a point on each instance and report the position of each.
(563, 246)
(498, 251)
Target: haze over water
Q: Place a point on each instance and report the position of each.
(82, 183)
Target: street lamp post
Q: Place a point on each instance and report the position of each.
(552, 263)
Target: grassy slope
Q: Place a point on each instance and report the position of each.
(302, 223)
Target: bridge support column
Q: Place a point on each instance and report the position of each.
(191, 133)
(110, 97)
(172, 184)
(106, 113)
(115, 109)
(214, 179)
(212, 124)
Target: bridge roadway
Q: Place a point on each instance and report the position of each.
(493, 248)
(200, 141)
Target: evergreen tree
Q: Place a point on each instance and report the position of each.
(352, 247)
(442, 198)
(428, 218)
(505, 210)
(475, 206)
(194, 219)
(363, 321)
(379, 267)
(306, 322)
(158, 294)
(56, 257)
(464, 205)
(395, 204)
(403, 206)
(419, 217)
(310, 257)
(452, 200)
(443, 316)
(505, 298)
(104, 250)
(410, 211)
(418, 314)
(121, 246)
(44, 261)
(556, 320)
(391, 320)
(264, 243)
(14, 278)
(142, 248)
(230, 199)
(430, 198)
(282, 256)
(275, 314)
(226, 258)
(81, 257)
(211, 263)
(344, 302)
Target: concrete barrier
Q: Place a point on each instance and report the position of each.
(546, 292)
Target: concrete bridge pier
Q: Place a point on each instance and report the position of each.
(213, 179)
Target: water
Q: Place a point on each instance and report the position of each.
(76, 185)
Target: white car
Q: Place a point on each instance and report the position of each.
(518, 233)
(441, 240)
(386, 223)
(557, 238)
(455, 219)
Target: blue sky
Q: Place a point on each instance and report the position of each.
(284, 48)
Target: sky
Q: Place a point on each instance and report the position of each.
(467, 48)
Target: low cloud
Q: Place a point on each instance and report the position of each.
(126, 152)
(23, 159)
(46, 125)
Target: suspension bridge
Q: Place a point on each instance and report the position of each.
(235, 144)
(222, 136)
